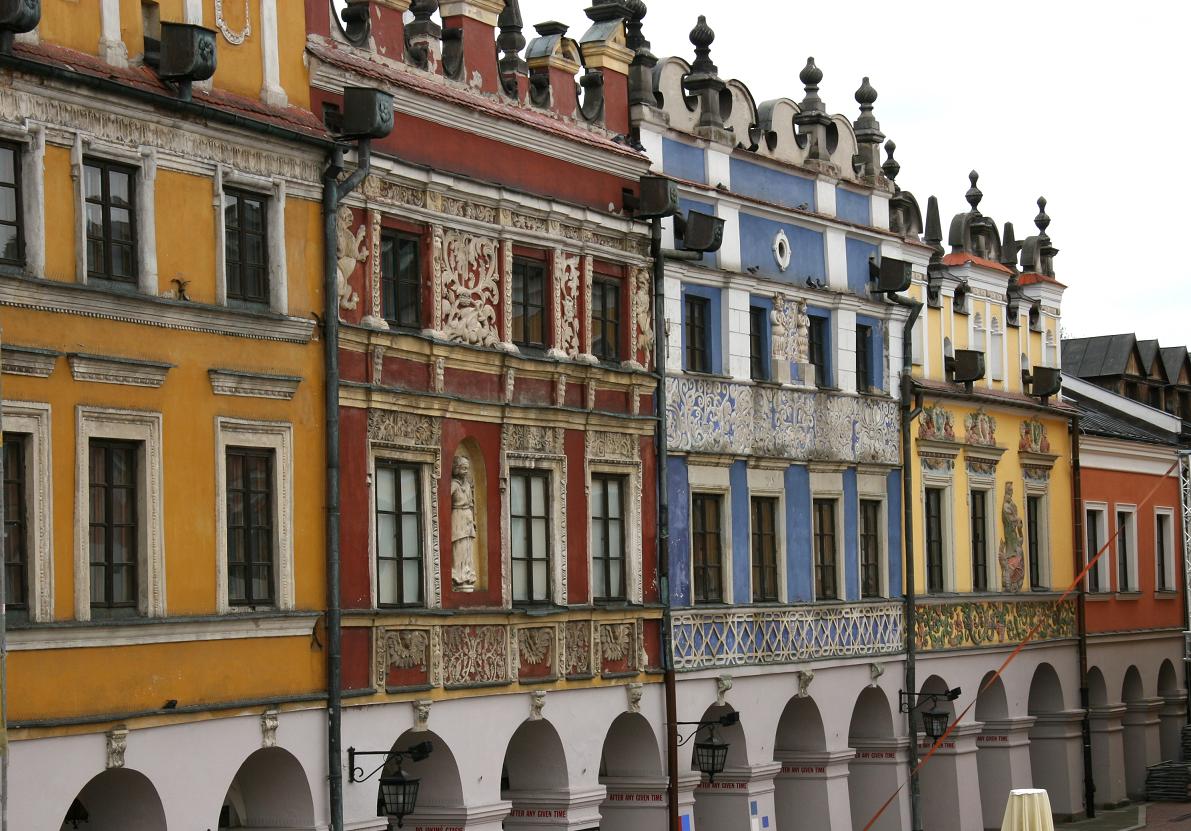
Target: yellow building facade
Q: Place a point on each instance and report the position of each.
(162, 391)
(991, 494)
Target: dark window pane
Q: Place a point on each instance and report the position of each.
(979, 519)
(605, 319)
(529, 294)
(111, 221)
(1094, 543)
(250, 541)
(826, 556)
(696, 335)
(246, 257)
(706, 548)
(114, 524)
(864, 358)
(1034, 530)
(870, 548)
(607, 536)
(400, 279)
(934, 540)
(8, 164)
(530, 535)
(759, 343)
(764, 539)
(16, 553)
(11, 225)
(819, 348)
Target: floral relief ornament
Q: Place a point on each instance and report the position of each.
(469, 288)
(233, 37)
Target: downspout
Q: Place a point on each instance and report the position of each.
(663, 529)
(1184, 457)
(1081, 600)
(910, 411)
(3, 665)
(334, 192)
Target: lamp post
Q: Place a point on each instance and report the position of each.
(711, 753)
(398, 796)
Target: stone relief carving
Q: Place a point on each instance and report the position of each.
(401, 428)
(235, 38)
(981, 429)
(269, 728)
(578, 651)
(791, 329)
(537, 703)
(400, 650)
(560, 389)
(804, 676)
(463, 526)
(1035, 473)
(605, 445)
(1033, 437)
(530, 438)
(440, 375)
(1010, 553)
(936, 423)
(875, 671)
(510, 384)
(634, 692)
(375, 316)
(616, 642)
(723, 684)
(350, 251)
(567, 293)
(470, 288)
(117, 743)
(535, 645)
(643, 312)
(422, 714)
(475, 655)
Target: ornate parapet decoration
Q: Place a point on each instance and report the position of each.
(936, 424)
(786, 636)
(730, 418)
(989, 623)
(1033, 437)
(980, 429)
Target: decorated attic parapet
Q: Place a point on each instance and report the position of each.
(973, 233)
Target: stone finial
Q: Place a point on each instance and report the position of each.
(1009, 247)
(634, 37)
(974, 194)
(891, 167)
(511, 41)
(810, 76)
(934, 229)
(423, 10)
(866, 96)
(702, 37)
(1042, 221)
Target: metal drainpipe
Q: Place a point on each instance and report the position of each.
(663, 530)
(1081, 610)
(1184, 457)
(334, 192)
(909, 412)
(3, 667)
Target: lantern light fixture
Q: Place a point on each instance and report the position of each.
(398, 797)
(711, 752)
(934, 721)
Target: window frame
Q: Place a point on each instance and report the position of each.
(253, 556)
(18, 187)
(762, 561)
(395, 282)
(1037, 543)
(601, 283)
(819, 347)
(819, 565)
(1164, 568)
(522, 305)
(1101, 569)
(623, 484)
(108, 608)
(32, 421)
(701, 572)
(696, 334)
(979, 521)
(760, 340)
(1129, 563)
(864, 358)
(264, 435)
(16, 523)
(273, 191)
(929, 586)
(106, 167)
(397, 467)
(878, 548)
(531, 474)
(238, 196)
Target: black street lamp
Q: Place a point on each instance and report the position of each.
(934, 722)
(711, 752)
(398, 796)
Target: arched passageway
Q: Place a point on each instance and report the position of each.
(270, 790)
(1108, 741)
(947, 781)
(1002, 750)
(440, 791)
(724, 803)
(118, 799)
(1142, 734)
(873, 771)
(631, 771)
(1056, 762)
(1173, 712)
(811, 790)
(535, 779)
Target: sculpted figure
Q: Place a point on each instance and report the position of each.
(349, 252)
(463, 526)
(1010, 553)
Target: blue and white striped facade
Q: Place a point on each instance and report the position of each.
(815, 680)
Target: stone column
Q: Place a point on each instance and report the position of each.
(735, 797)
(873, 774)
(950, 782)
(1056, 758)
(812, 789)
(1003, 760)
(634, 803)
(561, 809)
(1142, 743)
(1108, 754)
(469, 818)
(1172, 716)
(688, 781)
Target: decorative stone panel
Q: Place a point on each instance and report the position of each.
(475, 656)
(976, 623)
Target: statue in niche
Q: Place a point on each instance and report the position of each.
(349, 252)
(1010, 554)
(463, 526)
(802, 336)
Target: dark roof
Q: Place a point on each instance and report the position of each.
(1173, 358)
(1148, 349)
(1098, 356)
(1099, 419)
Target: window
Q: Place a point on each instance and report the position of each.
(1096, 526)
(826, 587)
(605, 318)
(113, 525)
(398, 535)
(934, 540)
(530, 535)
(978, 516)
(1126, 556)
(870, 548)
(16, 545)
(764, 522)
(1035, 529)
(244, 229)
(12, 243)
(529, 302)
(607, 537)
(864, 358)
(1163, 545)
(759, 343)
(400, 279)
(819, 347)
(696, 336)
(250, 555)
(111, 222)
(706, 548)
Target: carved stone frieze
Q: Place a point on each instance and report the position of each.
(396, 427)
(470, 288)
(536, 645)
(530, 438)
(791, 329)
(977, 623)
(980, 429)
(567, 289)
(401, 649)
(350, 251)
(618, 642)
(378, 189)
(936, 424)
(578, 648)
(474, 655)
(605, 445)
(1033, 437)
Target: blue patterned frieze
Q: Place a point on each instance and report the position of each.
(877, 434)
(747, 637)
(709, 416)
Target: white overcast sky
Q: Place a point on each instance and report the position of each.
(1082, 103)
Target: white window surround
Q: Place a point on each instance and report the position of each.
(714, 480)
(991, 576)
(770, 484)
(274, 190)
(1098, 512)
(1169, 577)
(428, 463)
(144, 161)
(1039, 489)
(631, 471)
(830, 485)
(1129, 534)
(278, 437)
(553, 461)
(872, 488)
(31, 176)
(145, 428)
(945, 481)
(33, 421)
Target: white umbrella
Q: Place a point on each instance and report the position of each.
(1028, 810)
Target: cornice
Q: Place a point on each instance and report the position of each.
(28, 360)
(108, 369)
(253, 384)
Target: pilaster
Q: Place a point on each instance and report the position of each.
(735, 797)
(1108, 753)
(1003, 762)
(812, 789)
